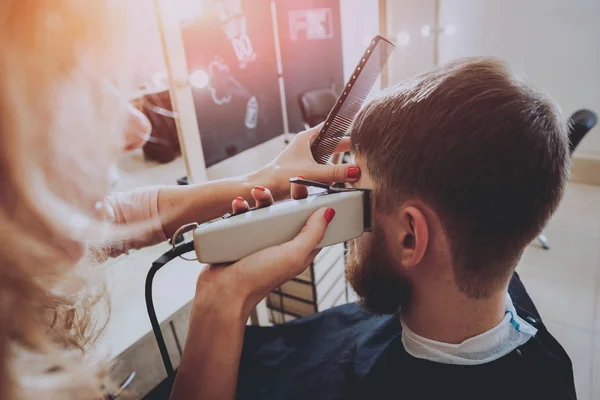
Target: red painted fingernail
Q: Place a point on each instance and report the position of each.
(240, 199)
(301, 177)
(329, 214)
(262, 189)
(353, 172)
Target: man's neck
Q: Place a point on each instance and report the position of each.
(445, 314)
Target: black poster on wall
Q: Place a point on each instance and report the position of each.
(230, 52)
(311, 50)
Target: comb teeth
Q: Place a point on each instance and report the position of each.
(352, 98)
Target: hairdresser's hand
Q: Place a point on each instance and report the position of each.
(225, 297)
(264, 198)
(297, 159)
(272, 276)
(244, 284)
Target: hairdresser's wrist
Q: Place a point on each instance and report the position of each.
(211, 356)
(219, 306)
(227, 299)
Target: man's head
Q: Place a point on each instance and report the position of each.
(467, 164)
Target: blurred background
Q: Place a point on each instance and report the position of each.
(245, 75)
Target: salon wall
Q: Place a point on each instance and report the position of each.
(555, 42)
(414, 52)
(360, 22)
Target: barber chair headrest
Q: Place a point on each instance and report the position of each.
(316, 104)
(582, 122)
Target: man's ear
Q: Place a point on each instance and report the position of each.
(413, 236)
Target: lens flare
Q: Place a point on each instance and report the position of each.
(403, 38)
(199, 79)
(450, 30)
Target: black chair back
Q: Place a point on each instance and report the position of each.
(582, 122)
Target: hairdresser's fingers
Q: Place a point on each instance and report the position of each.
(299, 191)
(239, 205)
(262, 196)
(311, 134)
(334, 173)
(344, 145)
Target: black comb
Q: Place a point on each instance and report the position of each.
(351, 99)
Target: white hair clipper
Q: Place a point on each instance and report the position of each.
(235, 236)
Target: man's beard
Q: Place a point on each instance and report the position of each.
(375, 277)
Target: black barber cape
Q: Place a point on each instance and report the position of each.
(348, 353)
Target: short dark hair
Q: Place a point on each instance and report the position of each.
(486, 151)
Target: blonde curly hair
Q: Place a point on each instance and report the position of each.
(63, 65)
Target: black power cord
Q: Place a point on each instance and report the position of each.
(160, 340)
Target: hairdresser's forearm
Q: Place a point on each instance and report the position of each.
(180, 205)
(211, 357)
